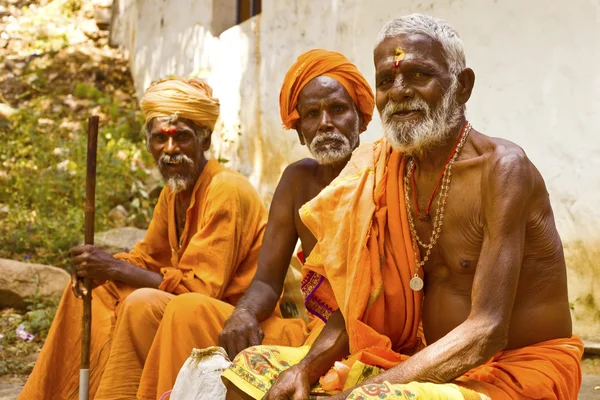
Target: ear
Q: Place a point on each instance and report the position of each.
(206, 142)
(301, 137)
(466, 81)
(362, 126)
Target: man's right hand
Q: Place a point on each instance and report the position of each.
(292, 384)
(241, 331)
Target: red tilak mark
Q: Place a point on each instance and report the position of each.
(169, 130)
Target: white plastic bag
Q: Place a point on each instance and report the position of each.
(200, 376)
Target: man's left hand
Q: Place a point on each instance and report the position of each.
(93, 263)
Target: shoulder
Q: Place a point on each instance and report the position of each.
(299, 171)
(227, 184)
(507, 173)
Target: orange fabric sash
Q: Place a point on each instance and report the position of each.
(361, 226)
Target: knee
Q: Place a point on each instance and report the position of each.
(145, 301)
(141, 297)
(185, 306)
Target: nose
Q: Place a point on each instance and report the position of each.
(325, 123)
(171, 146)
(401, 90)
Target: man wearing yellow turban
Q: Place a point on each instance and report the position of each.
(329, 103)
(204, 238)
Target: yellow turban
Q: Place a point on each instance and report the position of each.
(319, 62)
(191, 99)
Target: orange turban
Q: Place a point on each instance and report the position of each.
(319, 62)
(191, 99)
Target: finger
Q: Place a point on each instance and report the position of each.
(78, 250)
(255, 338)
(241, 343)
(230, 349)
(81, 257)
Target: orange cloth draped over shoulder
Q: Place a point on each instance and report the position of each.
(356, 255)
(319, 62)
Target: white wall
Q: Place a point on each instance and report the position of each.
(538, 84)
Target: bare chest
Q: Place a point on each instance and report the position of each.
(450, 240)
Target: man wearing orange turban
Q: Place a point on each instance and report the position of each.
(329, 103)
(204, 238)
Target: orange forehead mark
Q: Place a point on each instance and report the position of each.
(398, 57)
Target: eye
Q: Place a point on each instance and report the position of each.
(183, 136)
(420, 75)
(312, 113)
(159, 137)
(384, 82)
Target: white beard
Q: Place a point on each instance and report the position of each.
(177, 182)
(333, 153)
(417, 137)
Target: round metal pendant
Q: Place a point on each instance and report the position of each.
(416, 283)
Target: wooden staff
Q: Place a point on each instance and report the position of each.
(90, 207)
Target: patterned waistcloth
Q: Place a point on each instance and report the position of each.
(256, 369)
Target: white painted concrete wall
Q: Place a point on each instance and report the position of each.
(538, 84)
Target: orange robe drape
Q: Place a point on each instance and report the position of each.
(368, 244)
(216, 257)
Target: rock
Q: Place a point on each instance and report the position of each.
(118, 239)
(20, 280)
(6, 111)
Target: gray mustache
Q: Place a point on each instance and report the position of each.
(328, 136)
(175, 159)
(413, 105)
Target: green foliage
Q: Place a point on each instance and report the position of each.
(84, 91)
(43, 169)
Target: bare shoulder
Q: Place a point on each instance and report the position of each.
(298, 172)
(506, 169)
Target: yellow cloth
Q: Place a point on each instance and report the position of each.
(191, 99)
(414, 391)
(195, 321)
(319, 62)
(547, 370)
(218, 257)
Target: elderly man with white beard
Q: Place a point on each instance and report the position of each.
(435, 224)
(328, 103)
(204, 237)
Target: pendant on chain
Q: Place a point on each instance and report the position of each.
(416, 283)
